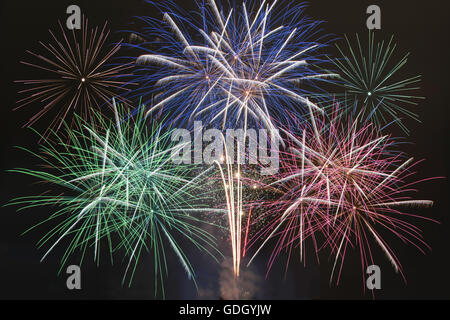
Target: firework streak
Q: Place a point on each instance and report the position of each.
(232, 186)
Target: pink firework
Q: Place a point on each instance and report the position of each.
(342, 185)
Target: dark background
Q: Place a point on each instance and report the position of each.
(421, 27)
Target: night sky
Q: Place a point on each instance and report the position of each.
(421, 28)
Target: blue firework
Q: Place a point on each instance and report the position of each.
(235, 65)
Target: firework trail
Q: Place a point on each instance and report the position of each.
(75, 74)
(236, 66)
(232, 173)
(232, 186)
(371, 81)
(115, 185)
(341, 185)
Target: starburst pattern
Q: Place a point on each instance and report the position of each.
(118, 187)
(342, 185)
(372, 82)
(75, 75)
(235, 66)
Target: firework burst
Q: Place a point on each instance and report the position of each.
(75, 75)
(342, 185)
(233, 66)
(118, 187)
(371, 81)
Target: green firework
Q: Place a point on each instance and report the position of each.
(374, 87)
(115, 187)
